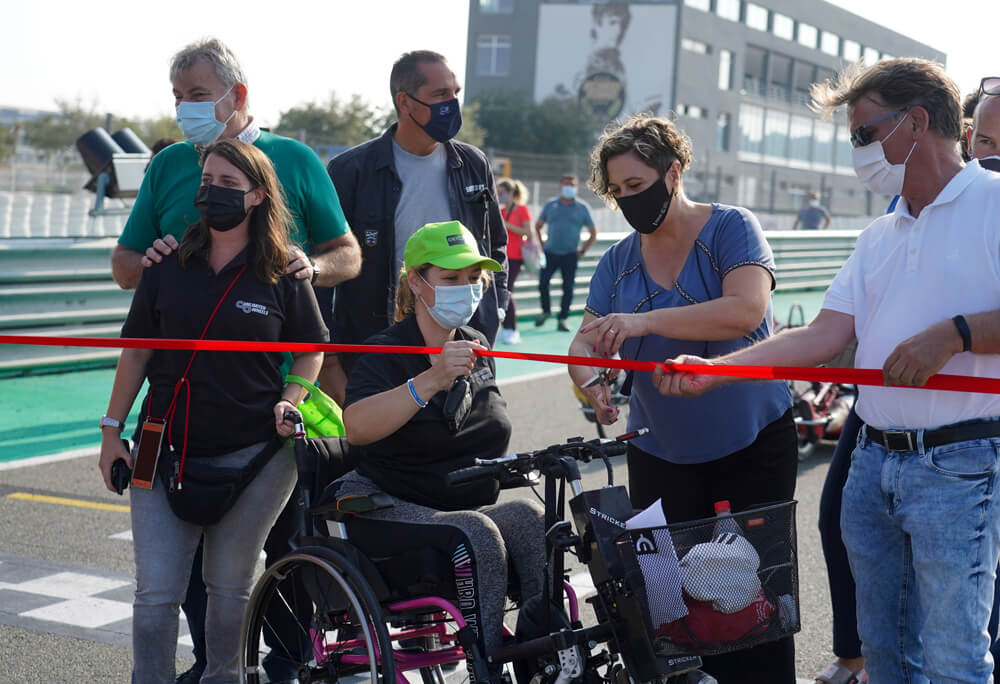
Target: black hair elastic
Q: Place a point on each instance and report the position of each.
(963, 330)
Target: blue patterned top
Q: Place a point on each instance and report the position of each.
(727, 419)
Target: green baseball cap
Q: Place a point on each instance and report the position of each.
(445, 245)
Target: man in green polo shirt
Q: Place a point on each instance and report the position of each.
(203, 73)
(211, 99)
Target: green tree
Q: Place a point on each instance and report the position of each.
(8, 141)
(334, 122)
(54, 133)
(512, 121)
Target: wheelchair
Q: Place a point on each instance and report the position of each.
(379, 616)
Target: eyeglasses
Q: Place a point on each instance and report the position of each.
(861, 135)
(990, 86)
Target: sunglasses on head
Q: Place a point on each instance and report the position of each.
(862, 135)
(990, 86)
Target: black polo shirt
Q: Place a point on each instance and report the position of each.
(412, 462)
(232, 393)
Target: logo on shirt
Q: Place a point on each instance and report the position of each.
(371, 238)
(251, 307)
(481, 376)
(474, 188)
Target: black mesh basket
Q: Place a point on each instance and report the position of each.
(719, 584)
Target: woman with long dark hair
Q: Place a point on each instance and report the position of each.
(220, 413)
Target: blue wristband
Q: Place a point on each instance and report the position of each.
(413, 393)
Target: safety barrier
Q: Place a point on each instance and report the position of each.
(63, 287)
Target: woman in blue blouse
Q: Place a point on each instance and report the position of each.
(692, 279)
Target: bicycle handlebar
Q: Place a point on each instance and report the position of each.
(509, 464)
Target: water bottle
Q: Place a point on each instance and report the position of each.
(725, 522)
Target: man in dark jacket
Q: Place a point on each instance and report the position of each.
(413, 174)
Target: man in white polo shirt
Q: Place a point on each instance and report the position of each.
(921, 293)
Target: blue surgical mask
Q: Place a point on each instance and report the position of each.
(445, 121)
(454, 304)
(568, 191)
(198, 123)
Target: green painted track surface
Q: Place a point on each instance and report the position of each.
(48, 414)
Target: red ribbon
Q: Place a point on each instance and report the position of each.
(852, 376)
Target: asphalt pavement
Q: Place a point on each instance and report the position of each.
(66, 559)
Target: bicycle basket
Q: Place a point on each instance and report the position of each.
(717, 585)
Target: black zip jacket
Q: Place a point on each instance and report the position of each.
(369, 188)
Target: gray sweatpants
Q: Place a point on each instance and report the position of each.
(482, 540)
(164, 548)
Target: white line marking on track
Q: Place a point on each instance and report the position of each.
(86, 612)
(68, 585)
(50, 458)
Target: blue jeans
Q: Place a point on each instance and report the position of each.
(921, 530)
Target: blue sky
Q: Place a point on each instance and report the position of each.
(117, 56)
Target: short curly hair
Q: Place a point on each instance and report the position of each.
(657, 142)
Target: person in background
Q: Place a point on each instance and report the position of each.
(231, 411)
(812, 215)
(413, 174)
(211, 98)
(565, 216)
(691, 276)
(513, 198)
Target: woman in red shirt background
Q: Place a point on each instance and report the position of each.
(513, 198)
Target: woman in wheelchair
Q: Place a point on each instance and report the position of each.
(416, 418)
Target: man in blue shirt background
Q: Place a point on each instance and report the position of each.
(565, 216)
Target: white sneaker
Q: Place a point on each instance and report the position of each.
(514, 337)
(504, 336)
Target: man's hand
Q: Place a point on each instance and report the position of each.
(682, 384)
(916, 359)
(161, 247)
(299, 264)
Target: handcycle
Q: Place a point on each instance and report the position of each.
(343, 601)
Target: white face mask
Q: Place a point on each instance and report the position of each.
(198, 123)
(454, 305)
(874, 170)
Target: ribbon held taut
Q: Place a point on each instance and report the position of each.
(852, 376)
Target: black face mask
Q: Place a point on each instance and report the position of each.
(221, 208)
(646, 210)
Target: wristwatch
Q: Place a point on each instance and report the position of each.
(108, 421)
(315, 269)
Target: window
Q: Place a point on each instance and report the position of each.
(704, 5)
(493, 55)
(870, 55)
(751, 129)
(756, 17)
(496, 6)
(803, 75)
(755, 70)
(852, 50)
(725, 69)
(776, 134)
(800, 138)
(829, 43)
(693, 45)
(844, 149)
(822, 154)
(722, 124)
(693, 111)
(781, 77)
(728, 9)
(807, 34)
(783, 26)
